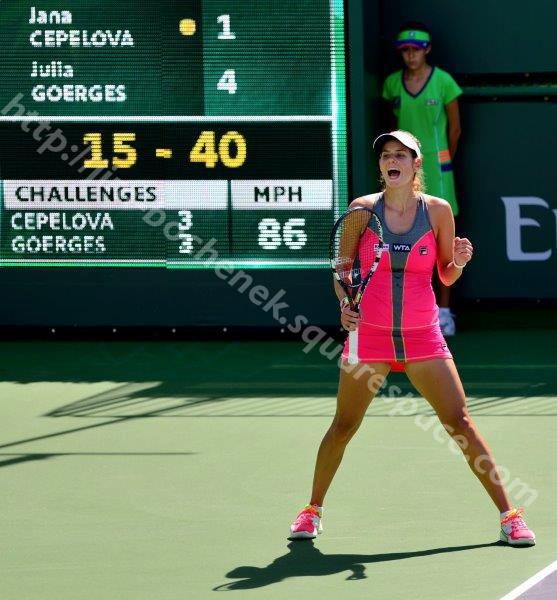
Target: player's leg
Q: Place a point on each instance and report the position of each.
(355, 393)
(439, 383)
(357, 386)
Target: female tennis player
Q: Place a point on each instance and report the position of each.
(398, 329)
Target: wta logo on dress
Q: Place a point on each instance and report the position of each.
(394, 247)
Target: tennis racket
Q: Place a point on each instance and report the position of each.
(355, 250)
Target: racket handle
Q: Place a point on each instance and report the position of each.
(353, 348)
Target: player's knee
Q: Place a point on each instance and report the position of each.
(343, 430)
(460, 424)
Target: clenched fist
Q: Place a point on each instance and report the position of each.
(462, 251)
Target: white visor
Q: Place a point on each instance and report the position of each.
(403, 137)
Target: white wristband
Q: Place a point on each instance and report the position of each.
(458, 266)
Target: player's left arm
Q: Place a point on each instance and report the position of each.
(452, 252)
(453, 125)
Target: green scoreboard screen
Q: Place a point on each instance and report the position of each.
(180, 134)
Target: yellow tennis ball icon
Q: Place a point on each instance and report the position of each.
(187, 27)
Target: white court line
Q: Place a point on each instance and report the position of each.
(530, 583)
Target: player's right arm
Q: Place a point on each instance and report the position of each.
(452, 252)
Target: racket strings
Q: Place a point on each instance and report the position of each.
(356, 244)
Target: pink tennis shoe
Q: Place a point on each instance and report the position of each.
(514, 530)
(307, 524)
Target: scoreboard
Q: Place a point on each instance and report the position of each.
(186, 134)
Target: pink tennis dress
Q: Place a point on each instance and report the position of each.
(399, 315)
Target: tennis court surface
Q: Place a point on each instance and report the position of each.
(171, 470)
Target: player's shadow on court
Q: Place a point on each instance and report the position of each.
(305, 560)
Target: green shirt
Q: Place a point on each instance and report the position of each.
(425, 116)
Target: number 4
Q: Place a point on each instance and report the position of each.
(227, 82)
(204, 150)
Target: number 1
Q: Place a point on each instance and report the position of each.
(96, 161)
(226, 34)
